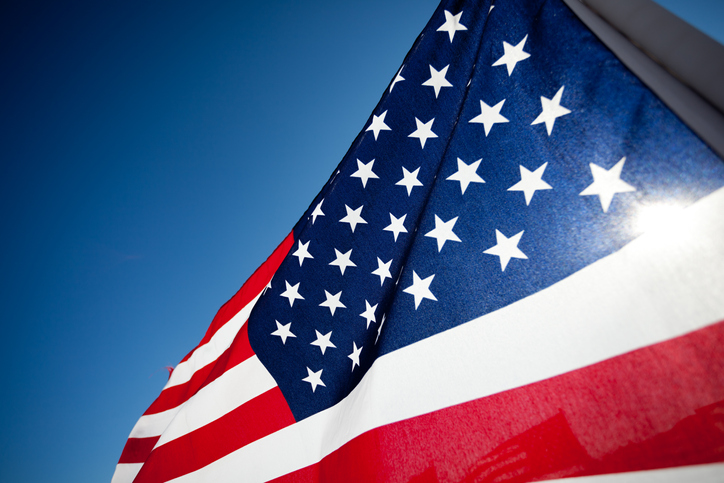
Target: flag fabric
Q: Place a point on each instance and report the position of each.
(516, 273)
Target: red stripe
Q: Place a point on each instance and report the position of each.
(137, 449)
(657, 407)
(259, 417)
(239, 351)
(248, 291)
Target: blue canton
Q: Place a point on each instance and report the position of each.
(511, 150)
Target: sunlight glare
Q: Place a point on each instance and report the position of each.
(657, 217)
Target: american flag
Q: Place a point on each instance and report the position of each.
(515, 273)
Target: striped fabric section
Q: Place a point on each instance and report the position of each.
(535, 432)
(221, 374)
(550, 378)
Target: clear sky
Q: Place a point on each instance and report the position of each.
(153, 155)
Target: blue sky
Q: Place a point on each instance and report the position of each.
(153, 156)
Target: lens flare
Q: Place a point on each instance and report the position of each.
(658, 217)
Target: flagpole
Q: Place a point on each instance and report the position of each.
(676, 61)
(690, 55)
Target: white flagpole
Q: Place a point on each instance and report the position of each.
(683, 66)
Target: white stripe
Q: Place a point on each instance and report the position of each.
(211, 351)
(235, 387)
(153, 424)
(659, 286)
(126, 472)
(713, 473)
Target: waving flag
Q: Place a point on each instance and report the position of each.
(515, 273)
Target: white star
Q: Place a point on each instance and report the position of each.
(607, 183)
(283, 331)
(333, 302)
(378, 124)
(437, 79)
(467, 174)
(354, 217)
(302, 252)
(369, 313)
(512, 55)
(489, 116)
(531, 182)
(314, 378)
(420, 289)
(379, 329)
(398, 78)
(355, 355)
(506, 248)
(452, 24)
(423, 131)
(383, 270)
(342, 261)
(364, 172)
(292, 293)
(396, 225)
(317, 212)
(409, 180)
(443, 232)
(552, 109)
(323, 341)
